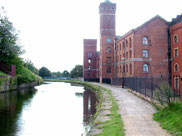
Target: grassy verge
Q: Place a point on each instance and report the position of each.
(170, 118)
(113, 127)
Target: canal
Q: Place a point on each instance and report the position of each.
(52, 109)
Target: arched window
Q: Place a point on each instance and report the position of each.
(126, 67)
(176, 82)
(108, 50)
(175, 38)
(126, 43)
(130, 43)
(176, 68)
(108, 70)
(123, 68)
(126, 55)
(130, 69)
(145, 41)
(123, 46)
(145, 68)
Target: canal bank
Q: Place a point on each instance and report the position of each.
(8, 83)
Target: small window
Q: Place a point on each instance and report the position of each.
(89, 68)
(145, 41)
(120, 46)
(123, 46)
(89, 54)
(89, 60)
(145, 68)
(130, 69)
(176, 82)
(175, 38)
(123, 68)
(108, 70)
(130, 43)
(130, 54)
(126, 43)
(126, 67)
(108, 50)
(175, 52)
(126, 55)
(145, 53)
(176, 68)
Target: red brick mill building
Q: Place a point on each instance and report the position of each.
(152, 50)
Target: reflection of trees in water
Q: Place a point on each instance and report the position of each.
(11, 104)
(90, 101)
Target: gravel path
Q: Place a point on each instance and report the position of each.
(136, 114)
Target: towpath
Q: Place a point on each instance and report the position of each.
(136, 114)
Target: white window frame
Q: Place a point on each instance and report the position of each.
(145, 68)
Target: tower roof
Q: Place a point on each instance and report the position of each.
(107, 1)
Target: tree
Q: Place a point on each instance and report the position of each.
(44, 72)
(56, 74)
(65, 73)
(28, 64)
(9, 45)
(77, 71)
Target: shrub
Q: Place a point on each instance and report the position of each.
(164, 92)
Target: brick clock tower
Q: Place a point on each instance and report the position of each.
(107, 36)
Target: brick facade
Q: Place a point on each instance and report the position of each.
(145, 51)
(107, 36)
(176, 53)
(90, 59)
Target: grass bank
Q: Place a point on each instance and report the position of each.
(113, 127)
(170, 118)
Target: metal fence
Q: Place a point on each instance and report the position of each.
(144, 85)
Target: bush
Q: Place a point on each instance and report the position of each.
(164, 93)
(26, 76)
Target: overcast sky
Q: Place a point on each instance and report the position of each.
(52, 31)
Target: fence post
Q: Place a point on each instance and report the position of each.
(145, 86)
(140, 84)
(152, 89)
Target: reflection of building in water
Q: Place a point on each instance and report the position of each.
(89, 103)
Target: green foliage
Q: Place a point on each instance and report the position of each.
(9, 46)
(44, 72)
(56, 74)
(26, 76)
(28, 64)
(65, 73)
(170, 118)
(77, 71)
(164, 94)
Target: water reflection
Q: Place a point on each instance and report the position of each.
(52, 109)
(89, 104)
(11, 104)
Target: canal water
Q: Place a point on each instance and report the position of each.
(52, 109)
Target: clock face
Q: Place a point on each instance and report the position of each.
(108, 40)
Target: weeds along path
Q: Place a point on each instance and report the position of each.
(136, 114)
